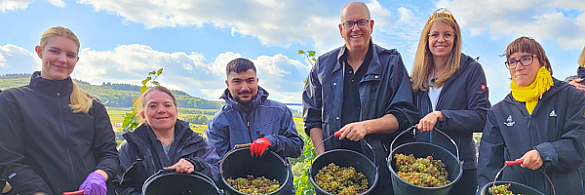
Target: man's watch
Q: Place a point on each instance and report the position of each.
(437, 114)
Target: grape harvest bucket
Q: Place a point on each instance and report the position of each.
(421, 150)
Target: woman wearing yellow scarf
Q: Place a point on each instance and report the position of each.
(541, 121)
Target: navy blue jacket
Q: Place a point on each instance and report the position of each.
(463, 101)
(45, 146)
(142, 155)
(268, 118)
(384, 89)
(556, 129)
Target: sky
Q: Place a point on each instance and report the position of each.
(193, 40)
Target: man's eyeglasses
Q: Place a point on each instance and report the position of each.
(524, 60)
(447, 36)
(360, 23)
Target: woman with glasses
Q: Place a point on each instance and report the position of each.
(450, 93)
(541, 121)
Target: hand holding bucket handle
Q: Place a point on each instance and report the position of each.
(413, 129)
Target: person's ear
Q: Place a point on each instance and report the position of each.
(227, 83)
(142, 114)
(340, 30)
(39, 51)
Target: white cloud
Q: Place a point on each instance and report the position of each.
(540, 19)
(15, 59)
(191, 73)
(57, 3)
(14, 4)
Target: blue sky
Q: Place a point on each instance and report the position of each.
(121, 41)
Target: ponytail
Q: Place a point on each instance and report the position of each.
(81, 101)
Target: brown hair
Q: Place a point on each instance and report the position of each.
(529, 45)
(81, 101)
(140, 104)
(423, 60)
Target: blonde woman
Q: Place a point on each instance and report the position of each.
(54, 136)
(450, 93)
(541, 121)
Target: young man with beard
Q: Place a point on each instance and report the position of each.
(248, 116)
(358, 91)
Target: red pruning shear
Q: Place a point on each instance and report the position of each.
(74, 193)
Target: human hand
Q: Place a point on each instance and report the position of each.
(183, 166)
(532, 160)
(577, 84)
(428, 122)
(94, 184)
(259, 146)
(353, 131)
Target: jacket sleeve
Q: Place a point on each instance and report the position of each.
(12, 160)
(207, 162)
(312, 100)
(471, 119)
(218, 134)
(287, 143)
(126, 177)
(567, 153)
(401, 104)
(104, 144)
(491, 151)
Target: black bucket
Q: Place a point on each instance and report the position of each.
(344, 158)
(515, 187)
(179, 183)
(239, 163)
(422, 150)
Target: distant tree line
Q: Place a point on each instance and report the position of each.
(115, 95)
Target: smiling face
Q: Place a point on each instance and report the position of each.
(243, 86)
(441, 45)
(356, 37)
(522, 75)
(160, 111)
(59, 56)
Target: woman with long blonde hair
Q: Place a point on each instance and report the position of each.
(56, 137)
(450, 93)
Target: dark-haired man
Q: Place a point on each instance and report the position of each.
(248, 116)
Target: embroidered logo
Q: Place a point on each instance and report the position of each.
(509, 121)
(483, 87)
(552, 113)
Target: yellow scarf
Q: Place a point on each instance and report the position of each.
(534, 91)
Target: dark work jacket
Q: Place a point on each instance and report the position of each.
(384, 89)
(142, 155)
(463, 101)
(580, 75)
(267, 118)
(556, 129)
(44, 146)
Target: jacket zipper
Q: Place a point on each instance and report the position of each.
(72, 172)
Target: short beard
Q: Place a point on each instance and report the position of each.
(246, 105)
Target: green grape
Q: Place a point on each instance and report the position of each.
(341, 180)
(249, 185)
(425, 172)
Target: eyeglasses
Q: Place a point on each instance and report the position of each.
(524, 60)
(447, 36)
(360, 23)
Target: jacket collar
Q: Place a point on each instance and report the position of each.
(261, 96)
(50, 87)
(144, 133)
(374, 67)
(581, 72)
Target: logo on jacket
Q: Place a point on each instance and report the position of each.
(483, 87)
(509, 121)
(553, 113)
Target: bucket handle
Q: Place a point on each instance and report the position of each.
(239, 146)
(361, 140)
(413, 128)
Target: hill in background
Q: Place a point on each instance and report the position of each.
(115, 95)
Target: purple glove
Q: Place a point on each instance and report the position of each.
(94, 184)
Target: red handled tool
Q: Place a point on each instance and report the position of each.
(74, 193)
